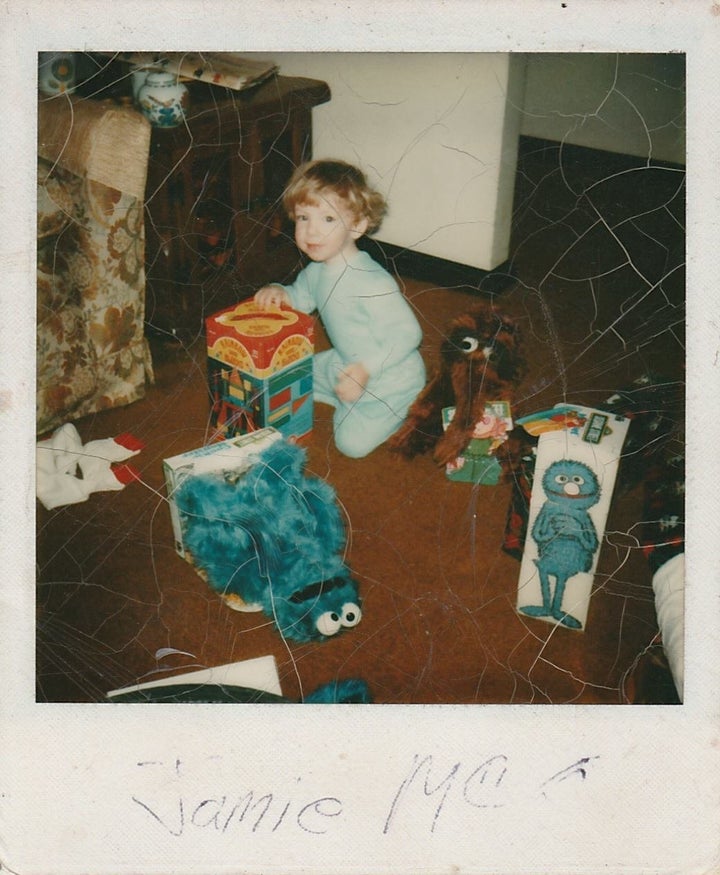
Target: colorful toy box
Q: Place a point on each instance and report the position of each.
(236, 455)
(260, 370)
(478, 464)
(578, 454)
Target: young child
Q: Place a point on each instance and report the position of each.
(374, 371)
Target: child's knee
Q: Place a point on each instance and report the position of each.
(357, 436)
(354, 444)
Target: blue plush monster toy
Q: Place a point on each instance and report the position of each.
(272, 540)
(565, 534)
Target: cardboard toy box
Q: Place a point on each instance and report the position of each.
(565, 536)
(478, 463)
(236, 455)
(260, 369)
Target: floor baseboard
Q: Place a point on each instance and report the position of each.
(405, 262)
(429, 268)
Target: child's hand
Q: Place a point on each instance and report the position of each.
(351, 383)
(272, 296)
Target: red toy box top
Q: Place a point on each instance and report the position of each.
(259, 342)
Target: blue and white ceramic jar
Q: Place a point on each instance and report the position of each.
(163, 99)
(138, 75)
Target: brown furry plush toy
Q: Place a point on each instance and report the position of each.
(480, 362)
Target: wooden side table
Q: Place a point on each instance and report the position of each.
(215, 229)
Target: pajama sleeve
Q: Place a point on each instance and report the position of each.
(300, 293)
(394, 330)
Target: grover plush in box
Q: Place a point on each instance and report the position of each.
(260, 370)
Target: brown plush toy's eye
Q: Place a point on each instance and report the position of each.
(469, 344)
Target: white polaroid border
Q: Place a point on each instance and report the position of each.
(376, 789)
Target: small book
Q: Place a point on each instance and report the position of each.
(477, 463)
(226, 69)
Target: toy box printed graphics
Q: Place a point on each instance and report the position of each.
(235, 455)
(578, 454)
(260, 370)
(478, 464)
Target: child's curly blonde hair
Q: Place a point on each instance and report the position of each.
(342, 179)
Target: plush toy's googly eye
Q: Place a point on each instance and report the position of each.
(351, 615)
(578, 479)
(561, 478)
(469, 344)
(328, 623)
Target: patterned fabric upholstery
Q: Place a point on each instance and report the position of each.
(91, 349)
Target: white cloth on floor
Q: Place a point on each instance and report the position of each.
(68, 472)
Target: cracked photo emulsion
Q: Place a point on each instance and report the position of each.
(361, 378)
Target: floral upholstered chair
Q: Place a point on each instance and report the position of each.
(91, 349)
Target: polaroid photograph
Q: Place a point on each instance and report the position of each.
(372, 373)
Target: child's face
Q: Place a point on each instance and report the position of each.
(326, 230)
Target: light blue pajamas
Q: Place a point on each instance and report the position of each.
(367, 320)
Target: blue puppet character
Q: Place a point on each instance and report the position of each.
(565, 534)
(272, 540)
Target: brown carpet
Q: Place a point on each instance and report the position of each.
(597, 285)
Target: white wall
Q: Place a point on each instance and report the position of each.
(438, 136)
(629, 103)
(437, 133)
